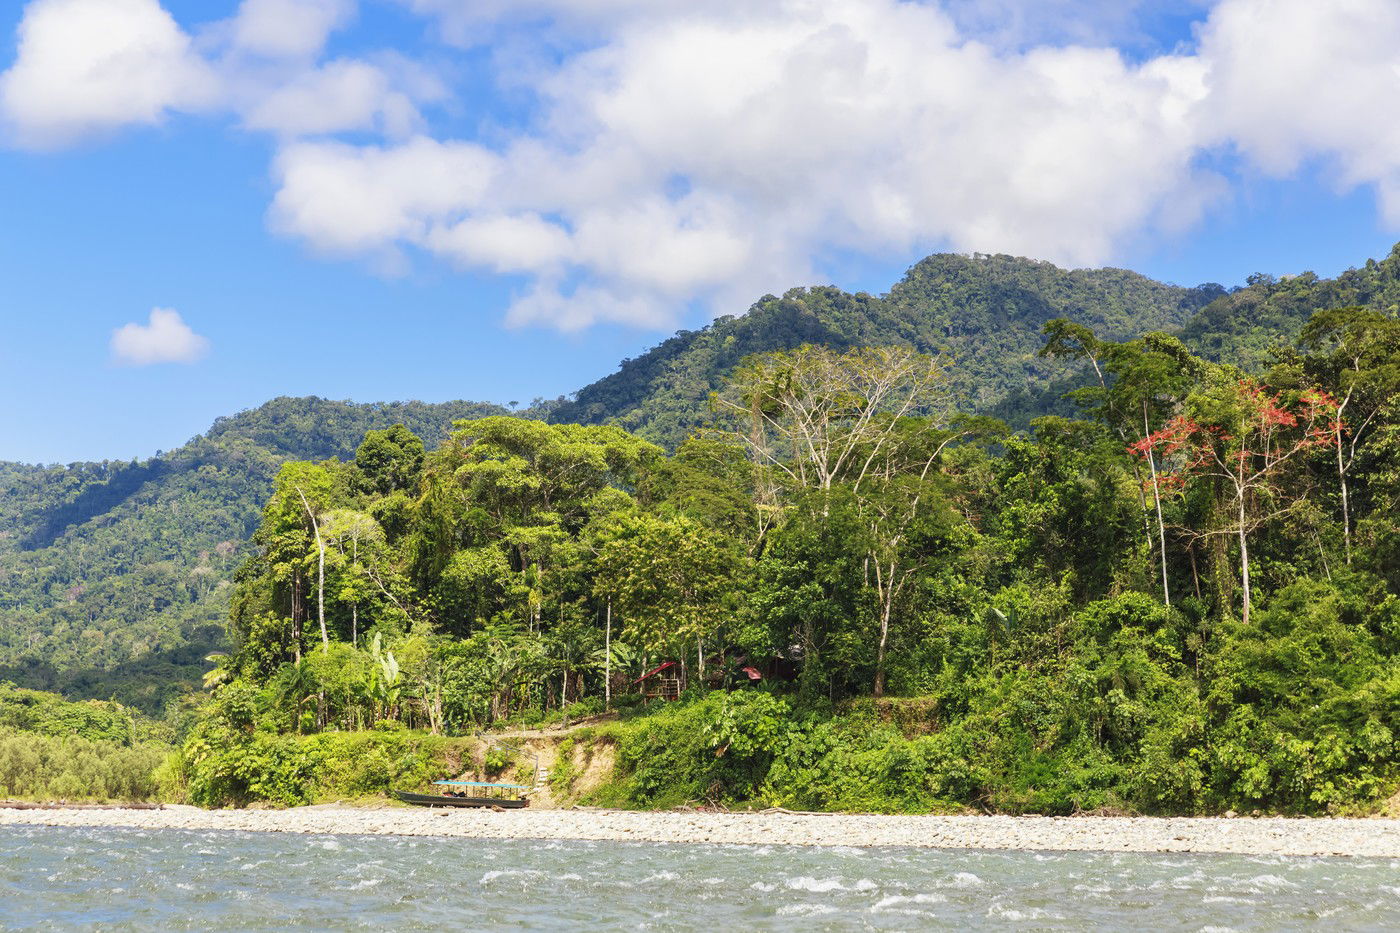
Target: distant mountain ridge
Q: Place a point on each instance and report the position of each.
(985, 311)
(113, 575)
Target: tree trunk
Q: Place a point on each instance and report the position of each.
(320, 572)
(607, 658)
(1244, 562)
(1157, 500)
(296, 615)
(1195, 575)
(1342, 478)
(886, 599)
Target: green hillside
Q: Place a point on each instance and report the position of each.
(114, 575)
(1250, 322)
(985, 311)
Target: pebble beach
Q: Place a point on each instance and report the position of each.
(1376, 838)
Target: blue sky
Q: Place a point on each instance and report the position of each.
(443, 199)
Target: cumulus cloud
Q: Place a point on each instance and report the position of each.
(288, 28)
(90, 66)
(347, 199)
(677, 153)
(692, 156)
(1291, 80)
(164, 338)
(340, 96)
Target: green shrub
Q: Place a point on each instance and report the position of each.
(42, 767)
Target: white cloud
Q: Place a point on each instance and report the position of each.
(89, 66)
(348, 199)
(1292, 80)
(681, 152)
(521, 243)
(288, 28)
(340, 96)
(709, 156)
(164, 338)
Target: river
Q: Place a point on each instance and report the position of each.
(53, 878)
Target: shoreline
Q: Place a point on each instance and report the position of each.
(1314, 836)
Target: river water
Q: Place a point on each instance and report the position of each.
(171, 879)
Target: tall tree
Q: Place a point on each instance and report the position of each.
(1242, 436)
(813, 419)
(1139, 385)
(1355, 352)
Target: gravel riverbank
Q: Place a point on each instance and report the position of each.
(1266, 836)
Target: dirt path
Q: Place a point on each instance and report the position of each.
(552, 732)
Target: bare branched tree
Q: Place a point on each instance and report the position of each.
(813, 418)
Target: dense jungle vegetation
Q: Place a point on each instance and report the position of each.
(1182, 600)
(114, 576)
(984, 311)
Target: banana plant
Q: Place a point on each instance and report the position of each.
(386, 681)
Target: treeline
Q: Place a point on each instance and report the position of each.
(1184, 601)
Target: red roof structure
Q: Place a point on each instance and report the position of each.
(653, 673)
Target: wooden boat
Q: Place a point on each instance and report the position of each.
(507, 796)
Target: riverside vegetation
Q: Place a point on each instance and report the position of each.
(1180, 600)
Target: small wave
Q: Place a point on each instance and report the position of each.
(898, 900)
(1272, 882)
(824, 885)
(966, 879)
(805, 910)
(757, 886)
(491, 876)
(1180, 883)
(814, 885)
(1012, 914)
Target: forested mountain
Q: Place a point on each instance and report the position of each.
(114, 575)
(1246, 325)
(986, 312)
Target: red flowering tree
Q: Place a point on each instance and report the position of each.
(1242, 438)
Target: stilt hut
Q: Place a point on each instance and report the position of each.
(662, 683)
